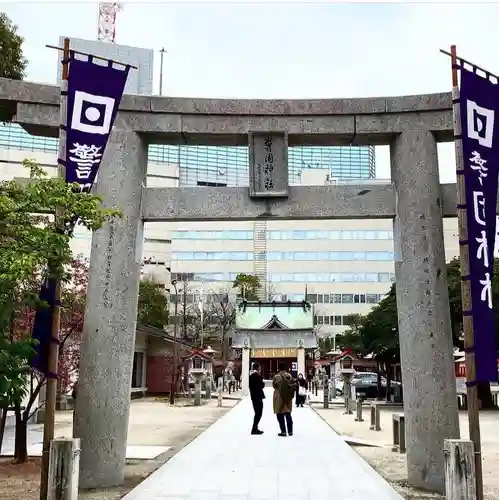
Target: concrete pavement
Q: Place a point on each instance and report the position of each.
(227, 463)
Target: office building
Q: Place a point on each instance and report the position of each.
(140, 78)
(228, 166)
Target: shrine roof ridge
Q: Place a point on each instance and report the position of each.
(227, 122)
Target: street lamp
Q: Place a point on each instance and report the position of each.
(162, 52)
(201, 312)
(173, 386)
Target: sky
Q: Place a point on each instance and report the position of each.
(281, 50)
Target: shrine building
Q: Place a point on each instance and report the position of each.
(271, 332)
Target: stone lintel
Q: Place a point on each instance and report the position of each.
(314, 122)
(29, 92)
(222, 130)
(367, 201)
(305, 203)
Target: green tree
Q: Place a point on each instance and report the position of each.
(378, 332)
(153, 304)
(351, 338)
(12, 61)
(248, 286)
(31, 244)
(14, 359)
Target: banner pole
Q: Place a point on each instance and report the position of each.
(53, 353)
(468, 330)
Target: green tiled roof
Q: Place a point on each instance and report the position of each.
(255, 318)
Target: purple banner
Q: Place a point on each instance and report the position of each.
(94, 95)
(42, 327)
(479, 103)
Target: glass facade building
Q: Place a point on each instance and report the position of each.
(228, 166)
(221, 165)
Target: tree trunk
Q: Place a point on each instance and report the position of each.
(21, 437)
(388, 381)
(485, 396)
(3, 421)
(379, 387)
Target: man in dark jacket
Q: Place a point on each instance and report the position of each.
(256, 385)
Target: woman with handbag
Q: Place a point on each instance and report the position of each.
(301, 392)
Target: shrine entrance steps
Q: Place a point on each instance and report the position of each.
(225, 462)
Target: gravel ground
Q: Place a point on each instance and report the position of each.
(152, 422)
(392, 466)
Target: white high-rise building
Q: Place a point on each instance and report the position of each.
(140, 80)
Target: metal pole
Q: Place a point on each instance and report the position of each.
(173, 386)
(53, 354)
(162, 52)
(184, 313)
(202, 326)
(201, 314)
(469, 334)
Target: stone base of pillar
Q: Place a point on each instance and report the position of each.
(197, 395)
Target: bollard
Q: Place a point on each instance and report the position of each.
(348, 395)
(326, 394)
(359, 418)
(220, 397)
(398, 427)
(459, 463)
(64, 469)
(375, 418)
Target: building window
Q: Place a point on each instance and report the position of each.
(290, 277)
(347, 298)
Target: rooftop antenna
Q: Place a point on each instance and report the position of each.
(107, 21)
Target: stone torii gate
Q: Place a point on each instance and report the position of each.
(410, 125)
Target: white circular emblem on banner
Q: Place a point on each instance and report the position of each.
(92, 113)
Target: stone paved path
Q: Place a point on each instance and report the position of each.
(227, 463)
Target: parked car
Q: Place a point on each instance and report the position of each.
(366, 385)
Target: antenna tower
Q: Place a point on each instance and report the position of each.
(107, 21)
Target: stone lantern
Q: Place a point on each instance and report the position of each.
(209, 353)
(347, 370)
(197, 370)
(332, 356)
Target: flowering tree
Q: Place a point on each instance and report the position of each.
(71, 329)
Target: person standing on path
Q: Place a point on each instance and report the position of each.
(301, 393)
(256, 385)
(284, 389)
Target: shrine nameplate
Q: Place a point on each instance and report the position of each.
(268, 165)
(277, 352)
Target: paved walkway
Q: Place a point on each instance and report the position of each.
(226, 463)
